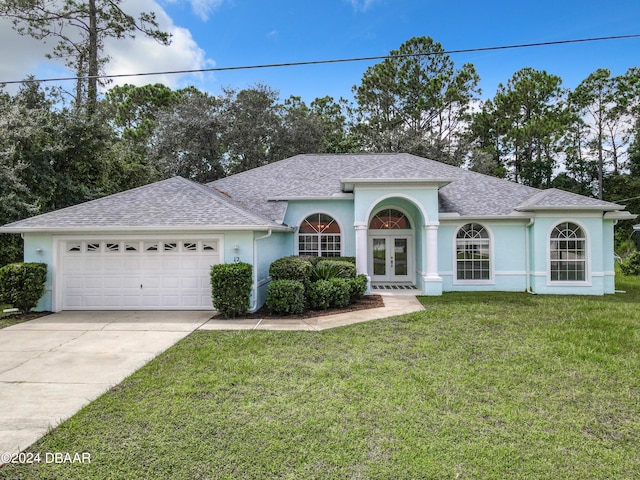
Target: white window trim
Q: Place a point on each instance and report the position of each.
(316, 212)
(492, 273)
(587, 282)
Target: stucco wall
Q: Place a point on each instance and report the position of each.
(599, 245)
(507, 251)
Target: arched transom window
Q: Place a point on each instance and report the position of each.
(568, 253)
(319, 235)
(473, 253)
(390, 219)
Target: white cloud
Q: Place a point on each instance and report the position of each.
(362, 5)
(202, 8)
(143, 54)
(26, 56)
(21, 55)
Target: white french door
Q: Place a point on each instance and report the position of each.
(391, 258)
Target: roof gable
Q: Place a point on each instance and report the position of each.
(171, 203)
(322, 175)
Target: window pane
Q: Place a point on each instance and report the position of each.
(567, 253)
(473, 253)
(319, 235)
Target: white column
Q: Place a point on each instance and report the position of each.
(432, 281)
(361, 247)
(362, 259)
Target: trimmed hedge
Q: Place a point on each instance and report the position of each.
(314, 259)
(358, 286)
(291, 268)
(341, 292)
(231, 288)
(22, 284)
(348, 269)
(319, 295)
(285, 297)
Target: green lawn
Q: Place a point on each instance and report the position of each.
(477, 386)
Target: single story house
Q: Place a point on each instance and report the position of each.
(409, 221)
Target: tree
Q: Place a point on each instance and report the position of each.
(81, 29)
(595, 100)
(299, 130)
(187, 140)
(334, 119)
(252, 123)
(523, 126)
(417, 101)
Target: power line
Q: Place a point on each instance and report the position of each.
(339, 60)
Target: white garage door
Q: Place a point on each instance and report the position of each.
(137, 274)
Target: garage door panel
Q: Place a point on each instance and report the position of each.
(106, 274)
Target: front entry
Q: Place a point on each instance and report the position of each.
(390, 258)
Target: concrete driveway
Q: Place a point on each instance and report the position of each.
(53, 366)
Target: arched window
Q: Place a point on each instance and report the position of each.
(473, 253)
(568, 253)
(389, 219)
(319, 235)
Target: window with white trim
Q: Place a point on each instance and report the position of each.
(473, 253)
(568, 253)
(319, 235)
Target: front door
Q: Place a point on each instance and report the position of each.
(390, 259)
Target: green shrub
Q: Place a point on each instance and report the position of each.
(231, 288)
(319, 295)
(291, 268)
(631, 264)
(22, 284)
(348, 268)
(358, 286)
(312, 259)
(341, 292)
(327, 271)
(285, 297)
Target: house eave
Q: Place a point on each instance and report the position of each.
(348, 184)
(145, 229)
(620, 215)
(335, 196)
(510, 217)
(565, 208)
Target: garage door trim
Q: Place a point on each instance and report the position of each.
(60, 244)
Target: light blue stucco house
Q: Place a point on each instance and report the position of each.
(410, 222)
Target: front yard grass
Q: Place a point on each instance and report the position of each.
(476, 386)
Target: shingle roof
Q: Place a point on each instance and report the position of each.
(258, 198)
(175, 202)
(318, 175)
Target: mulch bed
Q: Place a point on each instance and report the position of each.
(366, 302)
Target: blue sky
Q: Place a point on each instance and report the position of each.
(225, 33)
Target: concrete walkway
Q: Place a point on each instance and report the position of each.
(53, 366)
(394, 304)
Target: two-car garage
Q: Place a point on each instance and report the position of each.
(136, 273)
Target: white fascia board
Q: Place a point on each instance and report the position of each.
(621, 215)
(348, 184)
(569, 208)
(335, 196)
(183, 228)
(447, 217)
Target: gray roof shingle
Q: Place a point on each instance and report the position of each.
(258, 198)
(175, 202)
(319, 175)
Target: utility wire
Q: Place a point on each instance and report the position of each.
(324, 62)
